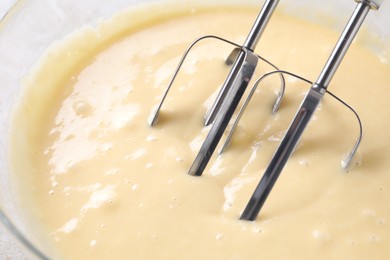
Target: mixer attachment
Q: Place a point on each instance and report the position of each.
(232, 90)
(306, 110)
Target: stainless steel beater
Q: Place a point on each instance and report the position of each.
(243, 68)
(307, 108)
(244, 62)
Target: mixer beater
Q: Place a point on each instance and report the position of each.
(244, 62)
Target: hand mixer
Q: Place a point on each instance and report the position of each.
(244, 62)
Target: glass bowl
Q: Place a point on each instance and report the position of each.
(29, 27)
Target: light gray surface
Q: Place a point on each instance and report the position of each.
(4, 6)
(8, 249)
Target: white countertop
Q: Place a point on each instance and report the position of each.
(8, 249)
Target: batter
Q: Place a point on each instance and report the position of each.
(97, 182)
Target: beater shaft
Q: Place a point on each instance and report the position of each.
(247, 62)
(232, 90)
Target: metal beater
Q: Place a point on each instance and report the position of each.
(244, 65)
(307, 108)
(243, 68)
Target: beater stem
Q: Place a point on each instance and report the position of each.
(343, 44)
(232, 91)
(260, 24)
(246, 67)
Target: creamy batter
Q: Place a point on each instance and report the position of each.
(98, 183)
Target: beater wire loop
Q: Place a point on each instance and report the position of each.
(155, 113)
(250, 95)
(346, 162)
